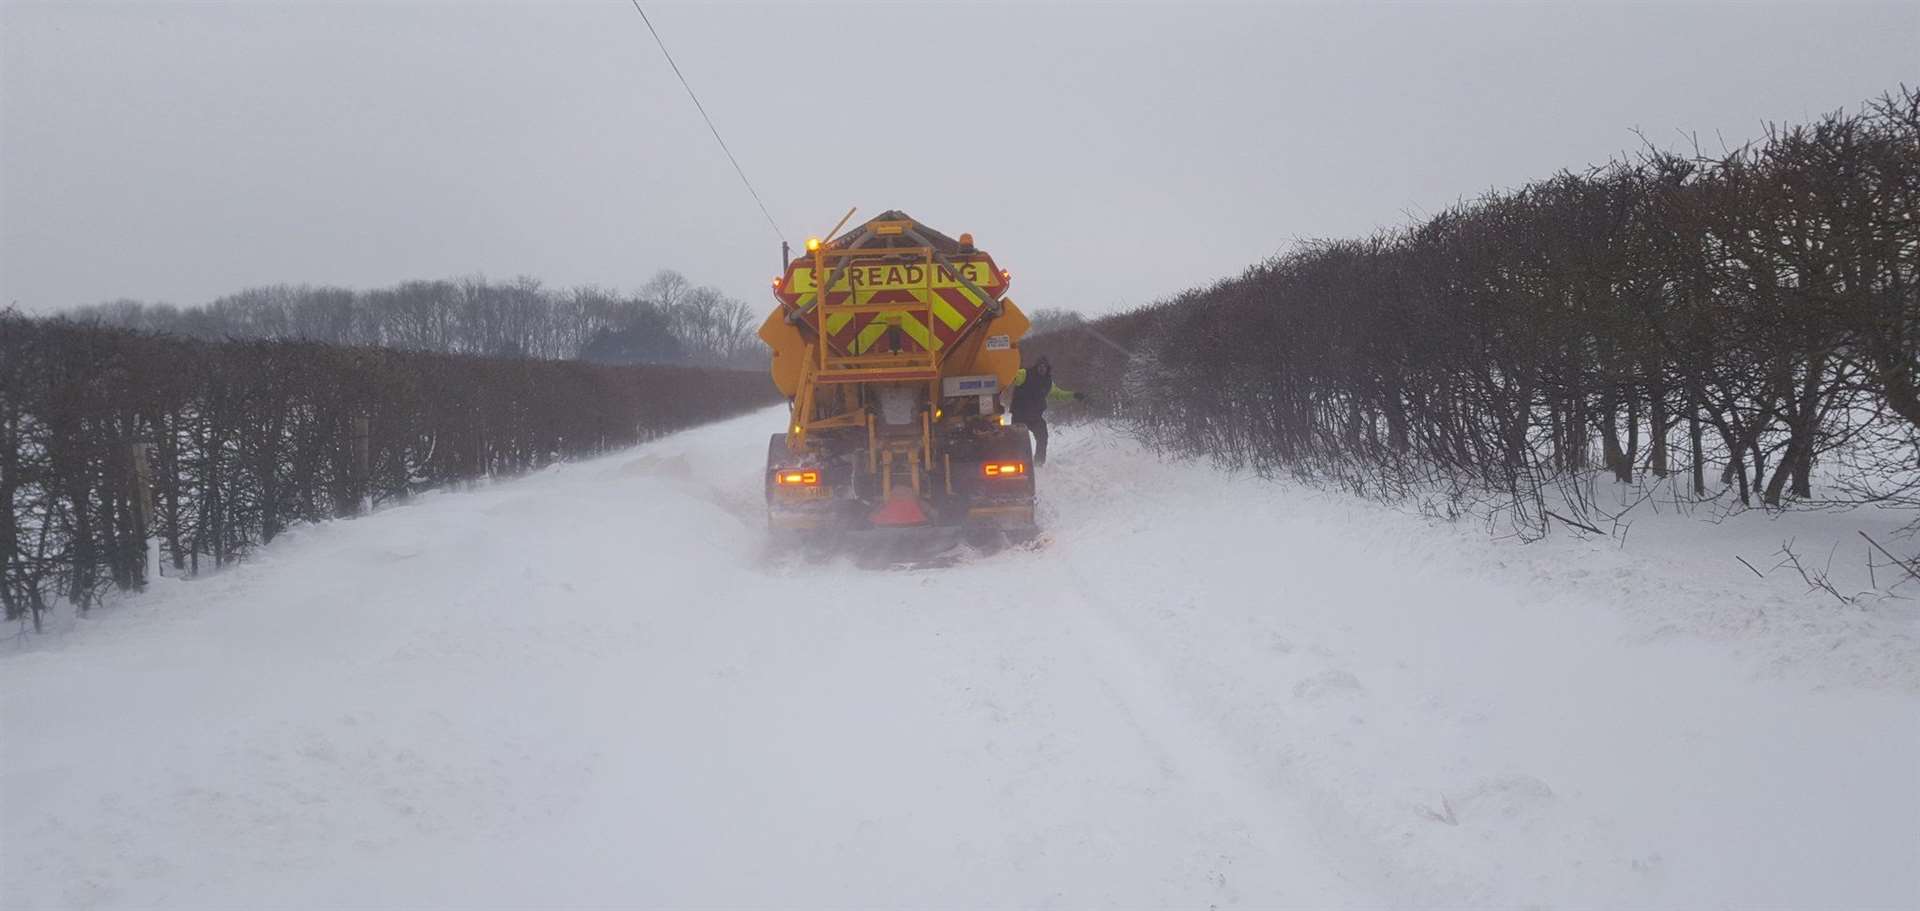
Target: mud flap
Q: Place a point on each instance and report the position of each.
(1006, 506)
(792, 512)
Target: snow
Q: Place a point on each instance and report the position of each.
(596, 686)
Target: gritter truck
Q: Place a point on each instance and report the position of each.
(893, 343)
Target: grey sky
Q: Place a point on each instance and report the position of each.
(1106, 154)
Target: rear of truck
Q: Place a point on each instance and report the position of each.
(893, 343)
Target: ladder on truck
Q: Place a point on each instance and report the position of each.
(904, 350)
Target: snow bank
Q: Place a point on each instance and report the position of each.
(595, 686)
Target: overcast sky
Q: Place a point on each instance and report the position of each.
(1107, 154)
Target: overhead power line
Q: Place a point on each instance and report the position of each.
(710, 127)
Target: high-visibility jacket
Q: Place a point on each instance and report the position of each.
(1030, 398)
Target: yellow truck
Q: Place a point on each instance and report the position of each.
(894, 342)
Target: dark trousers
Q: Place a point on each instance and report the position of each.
(1038, 427)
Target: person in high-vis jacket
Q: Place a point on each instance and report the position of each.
(1033, 388)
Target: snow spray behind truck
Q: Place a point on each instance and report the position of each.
(893, 343)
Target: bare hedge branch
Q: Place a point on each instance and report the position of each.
(1719, 324)
(242, 440)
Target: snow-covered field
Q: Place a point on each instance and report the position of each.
(595, 687)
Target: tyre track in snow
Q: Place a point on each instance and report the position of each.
(1285, 807)
(1259, 733)
(1286, 814)
(1095, 792)
(1276, 826)
(1234, 847)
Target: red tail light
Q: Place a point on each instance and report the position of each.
(797, 478)
(1004, 469)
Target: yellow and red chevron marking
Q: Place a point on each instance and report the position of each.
(948, 302)
(866, 332)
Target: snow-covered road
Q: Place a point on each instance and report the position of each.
(595, 687)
